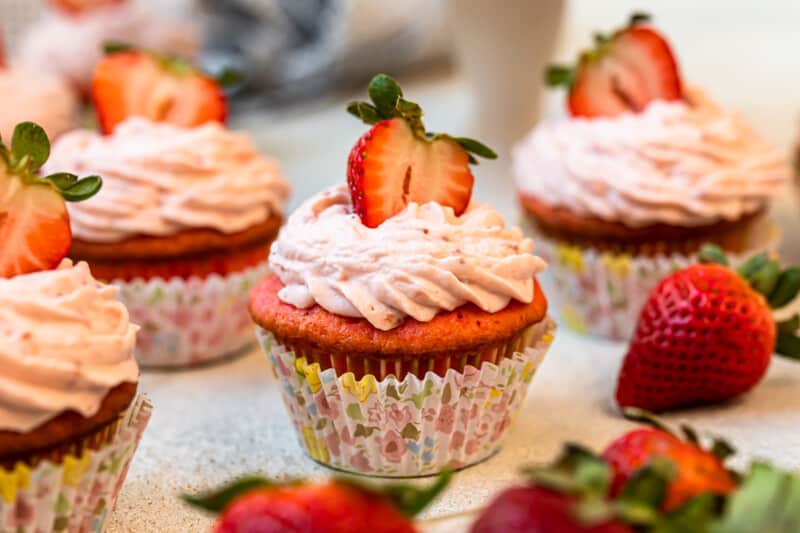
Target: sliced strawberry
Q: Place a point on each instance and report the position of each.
(390, 167)
(34, 224)
(396, 162)
(34, 227)
(135, 83)
(75, 7)
(624, 73)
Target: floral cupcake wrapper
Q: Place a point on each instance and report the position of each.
(603, 293)
(414, 427)
(77, 494)
(189, 322)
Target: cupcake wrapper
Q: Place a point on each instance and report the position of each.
(603, 293)
(78, 493)
(189, 322)
(414, 427)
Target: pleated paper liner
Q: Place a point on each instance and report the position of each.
(74, 492)
(190, 322)
(603, 292)
(416, 426)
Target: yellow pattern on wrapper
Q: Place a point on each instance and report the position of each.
(573, 319)
(74, 468)
(11, 482)
(363, 388)
(617, 264)
(309, 372)
(571, 257)
(315, 446)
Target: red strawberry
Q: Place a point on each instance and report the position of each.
(697, 470)
(623, 73)
(706, 334)
(34, 225)
(75, 7)
(258, 505)
(537, 510)
(134, 83)
(397, 162)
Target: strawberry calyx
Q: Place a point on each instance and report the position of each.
(175, 64)
(388, 102)
(779, 287)
(408, 499)
(30, 149)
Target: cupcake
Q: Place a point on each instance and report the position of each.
(68, 39)
(403, 321)
(184, 222)
(70, 416)
(30, 95)
(640, 176)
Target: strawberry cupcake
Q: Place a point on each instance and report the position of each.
(640, 176)
(68, 40)
(70, 416)
(403, 320)
(184, 223)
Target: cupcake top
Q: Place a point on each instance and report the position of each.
(28, 95)
(71, 44)
(417, 263)
(686, 162)
(66, 342)
(161, 179)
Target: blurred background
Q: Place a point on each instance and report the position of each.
(474, 66)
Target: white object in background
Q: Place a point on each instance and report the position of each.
(503, 52)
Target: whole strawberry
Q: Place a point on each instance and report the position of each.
(34, 224)
(697, 470)
(538, 510)
(337, 506)
(707, 334)
(623, 73)
(397, 161)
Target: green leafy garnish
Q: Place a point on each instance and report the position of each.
(388, 102)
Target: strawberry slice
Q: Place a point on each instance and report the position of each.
(76, 7)
(623, 73)
(135, 83)
(397, 161)
(34, 224)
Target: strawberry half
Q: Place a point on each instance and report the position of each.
(697, 471)
(164, 89)
(34, 224)
(76, 7)
(623, 73)
(707, 334)
(397, 161)
(336, 506)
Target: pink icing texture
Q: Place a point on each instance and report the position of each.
(417, 263)
(684, 164)
(65, 341)
(30, 96)
(160, 179)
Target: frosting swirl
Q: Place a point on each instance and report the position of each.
(674, 163)
(159, 180)
(65, 341)
(28, 96)
(417, 263)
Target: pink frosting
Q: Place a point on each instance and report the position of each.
(675, 163)
(30, 96)
(71, 46)
(417, 263)
(65, 341)
(159, 180)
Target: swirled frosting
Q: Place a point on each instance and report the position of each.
(28, 96)
(160, 179)
(70, 46)
(678, 163)
(417, 263)
(65, 342)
